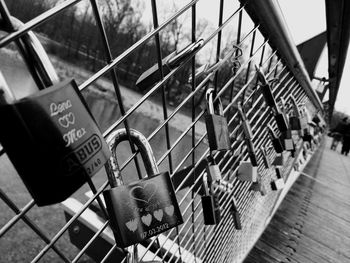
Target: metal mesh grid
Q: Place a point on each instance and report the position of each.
(175, 145)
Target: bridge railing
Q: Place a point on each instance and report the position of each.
(170, 112)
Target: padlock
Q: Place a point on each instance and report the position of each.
(265, 157)
(216, 125)
(210, 204)
(279, 182)
(235, 215)
(294, 120)
(276, 142)
(247, 172)
(286, 138)
(213, 169)
(144, 208)
(280, 159)
(46, 148)
(258, 186)
(53, 141)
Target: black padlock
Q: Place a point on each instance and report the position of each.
(216, 124)
(294, 120)
(144, 208)
(276, 142)
(235, 215)
(210, 204)
(53, 141)
(279, 182)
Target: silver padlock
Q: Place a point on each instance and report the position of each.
(280, 159)
(213, 170)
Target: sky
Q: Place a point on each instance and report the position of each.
(306, 19)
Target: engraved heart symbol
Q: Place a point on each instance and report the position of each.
(169, 210)
(66, 120)
(147, 219)
(158, 214)
(149, 189)
(132, 225)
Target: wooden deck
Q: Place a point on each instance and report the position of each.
(313, 222)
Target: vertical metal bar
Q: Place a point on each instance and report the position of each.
(160, 67)
(248, 66)
(193, 136)
(218, 45)
(159, 59)
(238, 41)
(116, 85)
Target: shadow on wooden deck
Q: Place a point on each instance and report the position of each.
(313, 222)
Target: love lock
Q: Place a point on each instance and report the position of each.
(213, 170)
(50, 136)
(210, 203)
(280, 159)
(144, 208)
(294, 120)
(247, 172)
(259, 186)
(279, 182)
(216, 124)
(288, 143)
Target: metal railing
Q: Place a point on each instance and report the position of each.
(176, 133)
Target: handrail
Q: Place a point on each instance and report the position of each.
(273, 26)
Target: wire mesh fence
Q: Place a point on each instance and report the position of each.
(169, 109)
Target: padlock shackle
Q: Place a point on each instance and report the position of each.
(209, 95)
(206, 184)
(138, 139)
(36, 52)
